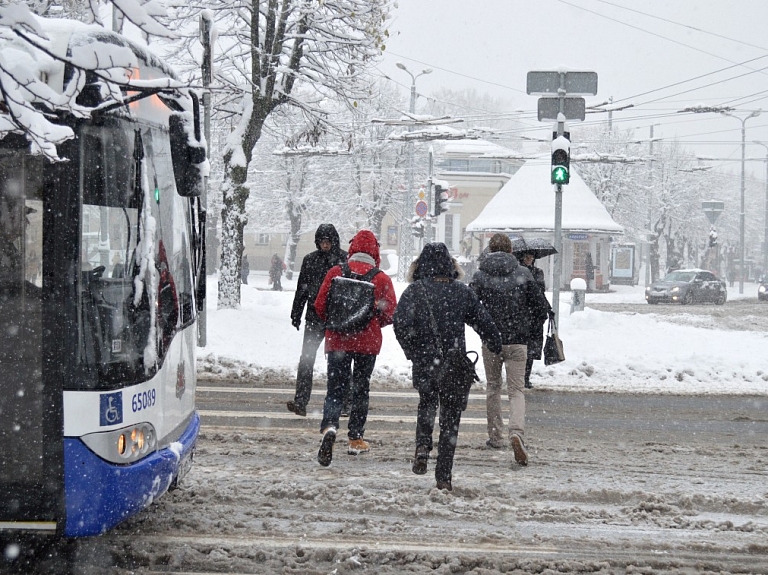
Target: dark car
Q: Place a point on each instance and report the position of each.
(762, 289)
(686, 287)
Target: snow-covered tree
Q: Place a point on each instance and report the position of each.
(272, 53)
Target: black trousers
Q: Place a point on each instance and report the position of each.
(340, 368)
(430, 398)
(313, 337)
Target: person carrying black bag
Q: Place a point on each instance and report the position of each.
(429, 325)
(510, 294)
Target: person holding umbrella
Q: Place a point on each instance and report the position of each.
(527, 253)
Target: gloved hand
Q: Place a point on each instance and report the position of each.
(494, 349)
(551, 314)
(296, 322)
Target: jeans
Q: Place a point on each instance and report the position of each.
(340, 366)
(512, 358)
(313, 337)
(430, 397)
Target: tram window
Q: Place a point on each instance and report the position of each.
(113, 331)
(21, 391)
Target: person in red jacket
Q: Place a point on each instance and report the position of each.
(361, 348)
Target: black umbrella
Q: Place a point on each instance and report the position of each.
(539, 247)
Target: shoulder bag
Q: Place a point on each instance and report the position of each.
(553, 347)
(457, 370)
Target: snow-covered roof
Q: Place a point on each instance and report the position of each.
(477, 148)
(527, 202)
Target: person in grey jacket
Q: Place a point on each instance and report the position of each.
(436, 294)
(510, 294)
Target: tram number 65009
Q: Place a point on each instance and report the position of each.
(143, 400)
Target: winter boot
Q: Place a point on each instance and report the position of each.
(420, 460)
(325, 455)
(518, 446)
(358, 446)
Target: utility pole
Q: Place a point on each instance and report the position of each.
(727, 112)
(765, 221)
(649, 196)
(406, 240)
(207, 72)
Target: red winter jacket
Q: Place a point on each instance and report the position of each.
(367, 341)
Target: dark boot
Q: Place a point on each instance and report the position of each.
(325, 455)
(446, 485)
(297, 409)
(420, 460)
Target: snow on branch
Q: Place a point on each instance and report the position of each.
(30, 55)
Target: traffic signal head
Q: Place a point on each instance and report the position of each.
(441, 200)
(561, 173)
(561, 159)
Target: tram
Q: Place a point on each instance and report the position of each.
(101, 282)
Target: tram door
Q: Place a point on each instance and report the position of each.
(25, 471)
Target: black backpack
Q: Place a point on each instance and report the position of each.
(351, 304)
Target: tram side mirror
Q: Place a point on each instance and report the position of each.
(187, 159)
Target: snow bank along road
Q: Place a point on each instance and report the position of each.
(616, 484)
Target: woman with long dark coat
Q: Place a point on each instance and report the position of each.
(536, 342)
(436, 302)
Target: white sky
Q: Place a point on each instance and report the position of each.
(490, 45)
(604, 351)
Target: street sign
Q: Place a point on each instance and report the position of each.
(712, 209)
(421, 208)
(573, 108)
(539, 82)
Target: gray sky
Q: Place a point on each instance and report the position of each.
(644, 53)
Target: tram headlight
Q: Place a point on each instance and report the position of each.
(124, 445)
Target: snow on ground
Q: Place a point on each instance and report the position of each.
(643, 353)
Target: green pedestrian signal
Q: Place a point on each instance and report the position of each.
(561, 163)
(560, 175)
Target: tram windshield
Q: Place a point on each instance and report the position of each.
(109, 336)
(21, 249)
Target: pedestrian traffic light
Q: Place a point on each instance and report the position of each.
(417, 227)
(561, 160)
(441, 200)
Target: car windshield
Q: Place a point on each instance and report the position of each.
(679, 276)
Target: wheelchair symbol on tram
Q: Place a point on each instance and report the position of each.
(110, 408)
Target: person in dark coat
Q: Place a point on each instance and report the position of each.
(352, 356)
(314, 267)
(536, 342)
(434, 287)
(276, 268)
(517, 305)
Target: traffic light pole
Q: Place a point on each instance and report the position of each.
(558, 261)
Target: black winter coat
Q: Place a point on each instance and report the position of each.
(536, 343)
(509, 292)
(453, 305)
(314, 267)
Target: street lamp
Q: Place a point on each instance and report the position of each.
(742, 247)
(765, 231)
(406, 241)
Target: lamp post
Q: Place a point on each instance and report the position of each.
(765, 219)
(406, 240)
(742, 247)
